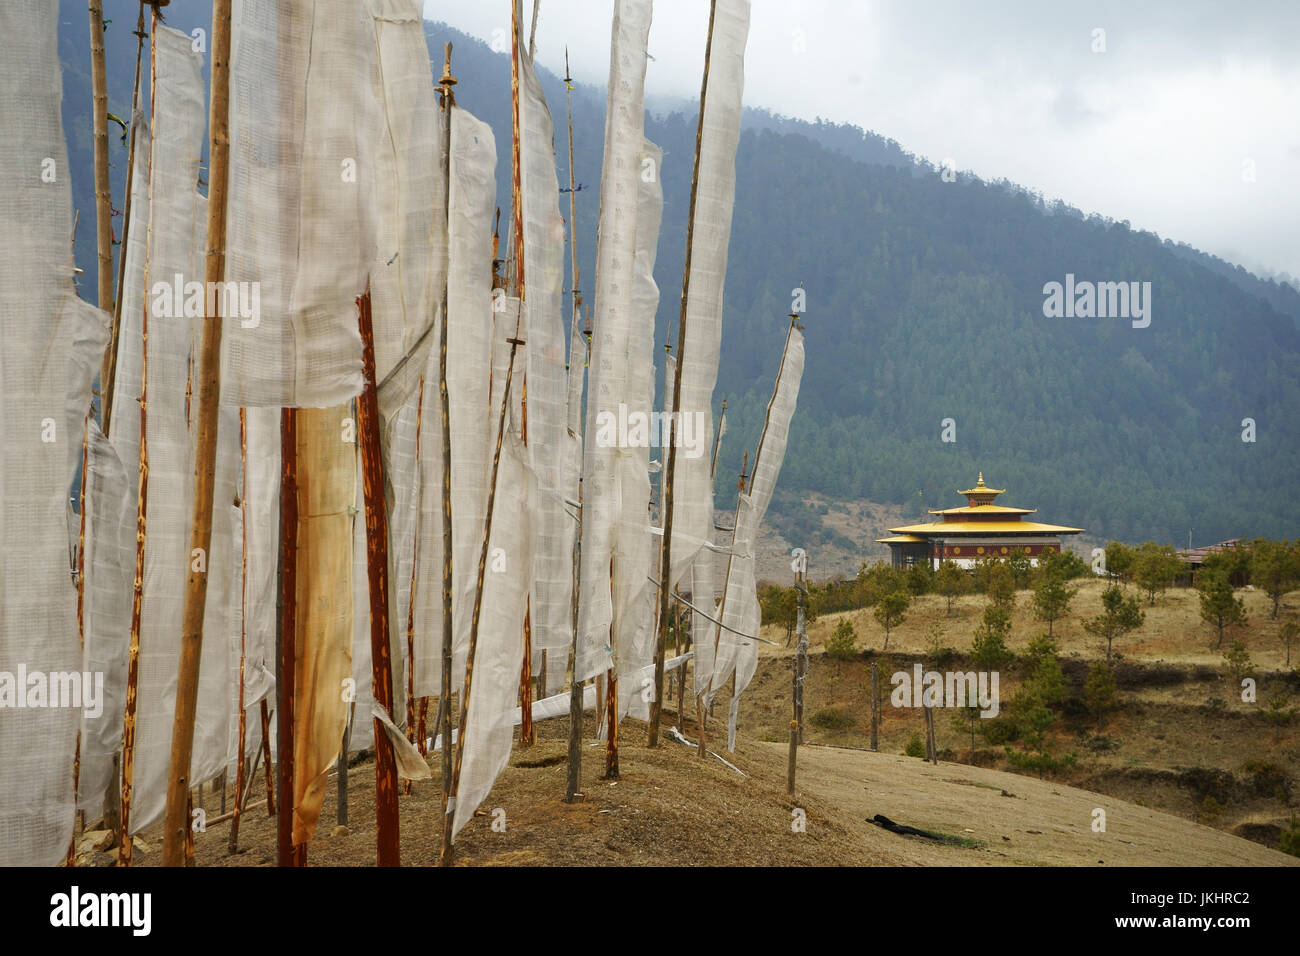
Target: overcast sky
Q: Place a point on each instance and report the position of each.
(1188, 103)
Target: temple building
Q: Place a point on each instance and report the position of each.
(978, 529)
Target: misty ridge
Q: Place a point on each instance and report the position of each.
(925, 302)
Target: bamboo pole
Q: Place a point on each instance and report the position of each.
(665, 554)
(288, 628)
(527, 735)
(232, 845)
(108, 372)
(126, 845)
(176, 825)
(573, 779)
(800, 671)
(410, 604)
(445, 856)
(388, 851)
(681, 676)
(443, 721)
(81, 622)
(103, 194)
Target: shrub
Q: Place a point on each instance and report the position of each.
(919, 579)
(1236, 662)
(1290, 842)
(915, 747)
(935, 648)
(999, 730)
(1277, 712)
(1211, 811)
(840, 645)
(989, 648)
(1270, 779)
(1099, 692)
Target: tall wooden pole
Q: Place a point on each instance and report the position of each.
(446, 85)
(176, 823)
(81, 620)
(526, 733)
(108, 372)
(287, 627)
(411, 705)
(233, 845)
(445, 857)
(372, 478)
(665, 554)
(126, 846)
(574, 778)
(679, 650)
(103, 195)
(800, 669)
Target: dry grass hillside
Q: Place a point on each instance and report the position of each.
(1181, 734)
(1168, 749)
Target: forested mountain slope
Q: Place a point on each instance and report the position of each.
(925, 303)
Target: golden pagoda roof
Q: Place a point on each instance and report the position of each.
(983, 510)
(948, 529)
(981, 489)
(901, 539)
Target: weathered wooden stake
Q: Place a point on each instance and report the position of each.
(232, 845)
(175, 823)
(372, 479)
(801, 652)
(108, 371)
(341, 795)
(527, 735)
(931, 751)
(611, 738)
(126, 844)
(683, 645)
(443, 722)
(81, 622)
(445, 856)
(875, 708)
(411, 703)
(794, 753)
(266, 762)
